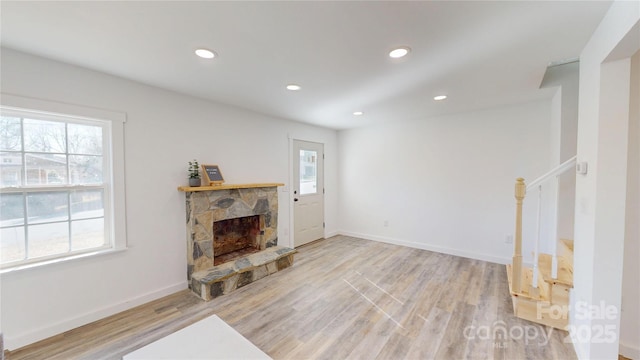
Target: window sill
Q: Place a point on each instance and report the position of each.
(69, 258)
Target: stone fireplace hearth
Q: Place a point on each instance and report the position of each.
(244, 220)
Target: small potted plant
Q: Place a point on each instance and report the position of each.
(194, 173)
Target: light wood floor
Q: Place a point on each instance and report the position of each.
(343, 298)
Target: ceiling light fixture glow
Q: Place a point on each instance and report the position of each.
(205, 54)
(399, 52)
(293, 87)
(358, 113)
(439, 97)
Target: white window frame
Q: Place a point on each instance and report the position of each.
(113, 182)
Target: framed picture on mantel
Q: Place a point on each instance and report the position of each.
(212, 175)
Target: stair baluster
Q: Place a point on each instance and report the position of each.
(534, 291)
(555, 232)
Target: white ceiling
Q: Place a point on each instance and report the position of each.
(481, 54)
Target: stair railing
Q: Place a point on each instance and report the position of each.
(520, 193)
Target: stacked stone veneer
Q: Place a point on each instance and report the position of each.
(204, 207)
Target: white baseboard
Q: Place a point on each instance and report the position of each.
(435, 248)
(331, 234)
(12, 342)
(630, 351)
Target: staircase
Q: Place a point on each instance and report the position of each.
(548, 304)
(541, 293)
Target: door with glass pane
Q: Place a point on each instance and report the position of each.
(308, 192)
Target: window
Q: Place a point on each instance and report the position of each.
(56, 186)
(308, 176)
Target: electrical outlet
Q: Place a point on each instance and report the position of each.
(386, 223)
(508, 239)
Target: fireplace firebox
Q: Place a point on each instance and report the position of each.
(234, 238)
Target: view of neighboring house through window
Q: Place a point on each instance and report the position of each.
(54, 177)
(308, 172)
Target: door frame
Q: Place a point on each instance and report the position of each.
(290, 187)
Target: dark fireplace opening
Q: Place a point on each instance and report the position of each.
(234, 238)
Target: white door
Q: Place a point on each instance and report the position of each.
(308, 192)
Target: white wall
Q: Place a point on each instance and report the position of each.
(630, 317)
(601, 194)
(446, 183)
(164, 130)
(564, 141)
(556, 125)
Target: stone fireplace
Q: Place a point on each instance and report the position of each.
(232, 235)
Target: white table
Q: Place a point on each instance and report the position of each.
(210, 338)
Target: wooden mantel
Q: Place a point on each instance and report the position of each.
(227, 187)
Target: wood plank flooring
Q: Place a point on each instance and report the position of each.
(344, 298)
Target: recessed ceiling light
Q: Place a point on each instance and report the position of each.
(358, 113)
(205, 54)
(399, 52)
(439, 97)
(293, 87)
